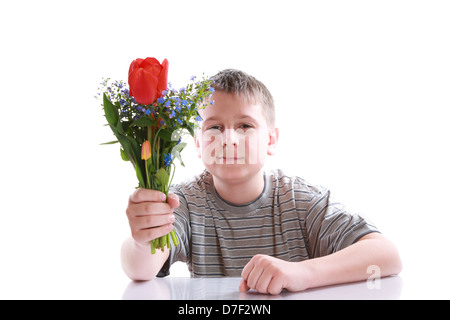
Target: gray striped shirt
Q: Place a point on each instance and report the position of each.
(291, 220)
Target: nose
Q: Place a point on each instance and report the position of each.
(230, 138)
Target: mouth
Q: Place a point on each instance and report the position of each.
(230, 160)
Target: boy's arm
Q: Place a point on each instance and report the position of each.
(270, 275)
(149, 218)
(139, 263)
(352, 263)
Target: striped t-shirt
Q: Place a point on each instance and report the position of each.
(291, 220)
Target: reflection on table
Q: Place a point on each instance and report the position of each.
(227, 289)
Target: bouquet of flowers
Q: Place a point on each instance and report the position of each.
(148, 118)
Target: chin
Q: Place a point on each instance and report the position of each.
(233, 172)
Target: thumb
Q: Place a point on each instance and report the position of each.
(243, 287)
(173, 200)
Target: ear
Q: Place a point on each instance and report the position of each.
(273, 141)
(198, 145)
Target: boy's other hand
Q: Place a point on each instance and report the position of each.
(149, 216)
(267, 274)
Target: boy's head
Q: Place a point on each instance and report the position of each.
(238, 131)
(248, 88)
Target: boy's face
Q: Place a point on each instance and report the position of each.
(234, 139)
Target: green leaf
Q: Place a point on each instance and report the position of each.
(124, 155)
(135, 152)
(177, 150)
(144, 122)
(111, 112)
(130, 148)
(125, 125)
(111, 142)
(191, 131)
(123, 142)
(162, 178)
(177, 134)
(132, 151)
(140, 176)
(165, 118)
(120, 128)
(165, 134)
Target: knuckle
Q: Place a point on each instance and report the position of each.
(149, 221)
(260, 288)
(149, 234)
(134, 234)
(136, 195)
(263, 290)
(262, 260)
(154, 233)
(147, 208)
(258, 258)
(130, 211)
(274, 291)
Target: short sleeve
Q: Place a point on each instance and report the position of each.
(330, 227)
(183, 230)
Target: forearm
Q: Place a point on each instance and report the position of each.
(139, 263)
(352, 263)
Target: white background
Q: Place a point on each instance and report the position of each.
(361, 90)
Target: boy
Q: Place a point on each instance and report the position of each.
(275, 231)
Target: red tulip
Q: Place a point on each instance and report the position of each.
(146, 152)
(147, 79)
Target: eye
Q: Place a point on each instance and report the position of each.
(246, 126)
(215, 127)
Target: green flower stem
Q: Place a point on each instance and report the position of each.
(174, 237)
(146, 173)
(168, 241)
(163, 240)
(156, 145)
(171, 179)
(152, 246)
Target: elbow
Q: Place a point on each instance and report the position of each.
(393, 263)
(387, 255)
(136, 273)
(396, 263)
(139, 277)
(134, 266)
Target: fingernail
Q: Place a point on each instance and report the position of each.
(163, 197)
(172, 218)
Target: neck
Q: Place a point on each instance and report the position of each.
(240, 191)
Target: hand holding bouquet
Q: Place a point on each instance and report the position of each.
(148, 119)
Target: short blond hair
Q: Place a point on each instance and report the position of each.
(248, 87)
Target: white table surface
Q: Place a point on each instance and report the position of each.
(227, 289)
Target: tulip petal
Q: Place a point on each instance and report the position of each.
(152, 65)
(143, 86)
(146, 153)
(163, 76)
(134, 65)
